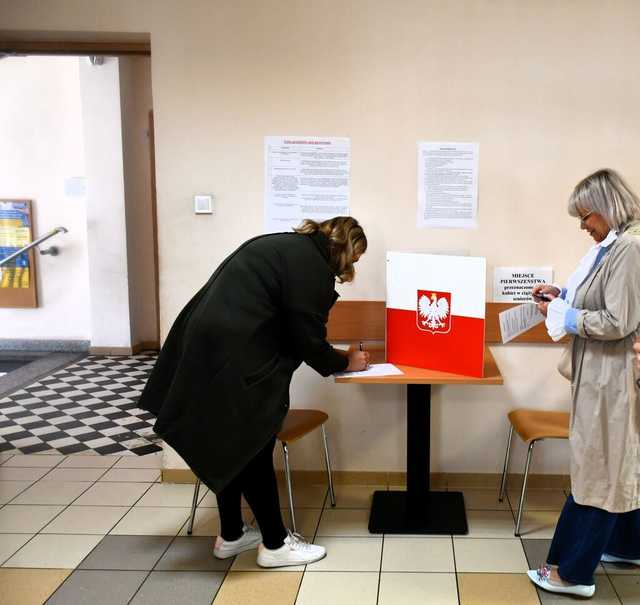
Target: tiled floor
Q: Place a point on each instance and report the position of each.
(103, 530)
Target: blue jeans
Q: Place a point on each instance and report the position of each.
(585, 533)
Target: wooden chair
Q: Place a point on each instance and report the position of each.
(532, 426)
(296, 425)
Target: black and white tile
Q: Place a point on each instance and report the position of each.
(89, 406)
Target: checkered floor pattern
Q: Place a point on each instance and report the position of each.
(88, 406)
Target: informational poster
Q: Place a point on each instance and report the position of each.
(514, 284)
(436, 312)
(447, 185)
(15, 233)
(305, 177)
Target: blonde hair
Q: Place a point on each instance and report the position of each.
(606, 193)
(346, 242)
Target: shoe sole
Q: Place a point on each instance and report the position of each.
(236, 552)
(292, 564)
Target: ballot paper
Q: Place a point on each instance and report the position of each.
(376, 369)
(517, 320)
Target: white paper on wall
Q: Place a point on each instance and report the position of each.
(305, 177)
(447, 185)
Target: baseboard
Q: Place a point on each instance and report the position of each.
(398, 479)
(110, 351)
(48, 346)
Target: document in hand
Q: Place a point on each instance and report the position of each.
(376, 369)
(435, 312)
(517, 320)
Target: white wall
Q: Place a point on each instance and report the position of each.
(546, 88)
(107, 238)
(40, 146)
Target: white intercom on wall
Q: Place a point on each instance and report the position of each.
(203, 204)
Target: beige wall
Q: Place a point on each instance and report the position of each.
(547, 89)
(135, 101)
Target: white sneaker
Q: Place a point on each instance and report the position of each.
(295, 551)
(249, 539)
(613, 559)
(540, 577)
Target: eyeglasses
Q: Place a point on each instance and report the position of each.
(585, 217)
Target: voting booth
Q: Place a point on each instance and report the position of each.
(436, 312)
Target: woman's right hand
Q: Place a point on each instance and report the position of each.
(358, 360)
(545, 292)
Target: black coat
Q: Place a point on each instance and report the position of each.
(220, 387)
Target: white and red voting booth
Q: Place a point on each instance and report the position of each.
(436, 312)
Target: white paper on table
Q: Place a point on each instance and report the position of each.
(376, 369)
(447, 185)
(305, 177)
(517, 320)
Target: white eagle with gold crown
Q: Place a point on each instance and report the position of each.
(432, 313)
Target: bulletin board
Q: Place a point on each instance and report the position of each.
(18, 287)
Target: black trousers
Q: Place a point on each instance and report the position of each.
(257, 482)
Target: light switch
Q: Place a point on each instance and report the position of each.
(203, 204)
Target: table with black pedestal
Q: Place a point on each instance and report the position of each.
(419, 510)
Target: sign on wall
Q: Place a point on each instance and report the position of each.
(514, 284)
(305, 177)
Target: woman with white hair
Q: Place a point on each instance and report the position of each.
(600, 310)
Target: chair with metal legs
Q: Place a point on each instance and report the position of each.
(296, 425)
(532, 426)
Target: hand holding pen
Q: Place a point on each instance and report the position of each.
(358, 359)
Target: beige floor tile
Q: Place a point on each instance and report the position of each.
(344, 522)
(11, 543)
(539, 523)
(210, 500)
(483, 499)
(29, 586)
(74, 474)
(247, 588)
(86, 520)
(26, 519)
(496, 589)
(19, 473)
(34, 460)
(52, 492)
(418, 589)
(349, 554)
(207, 521)
(246, 561)
(170, 494)
(79, 461)
(306, 521)
(490, 524)
(354, 496)
(138, 475)
(539, 499)
(152, 521)
(418, 554)
(54, 551)
(10, 489)
(628, 587)
(490, 555)
(304, 496)
(338, 588)
(113, 494)
(147, 461)
(5, 457)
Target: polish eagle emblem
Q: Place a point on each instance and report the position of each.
(434, 311)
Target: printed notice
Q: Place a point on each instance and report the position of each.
(514, 284)
(447, 185)
(305, 177)
(518, 320)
